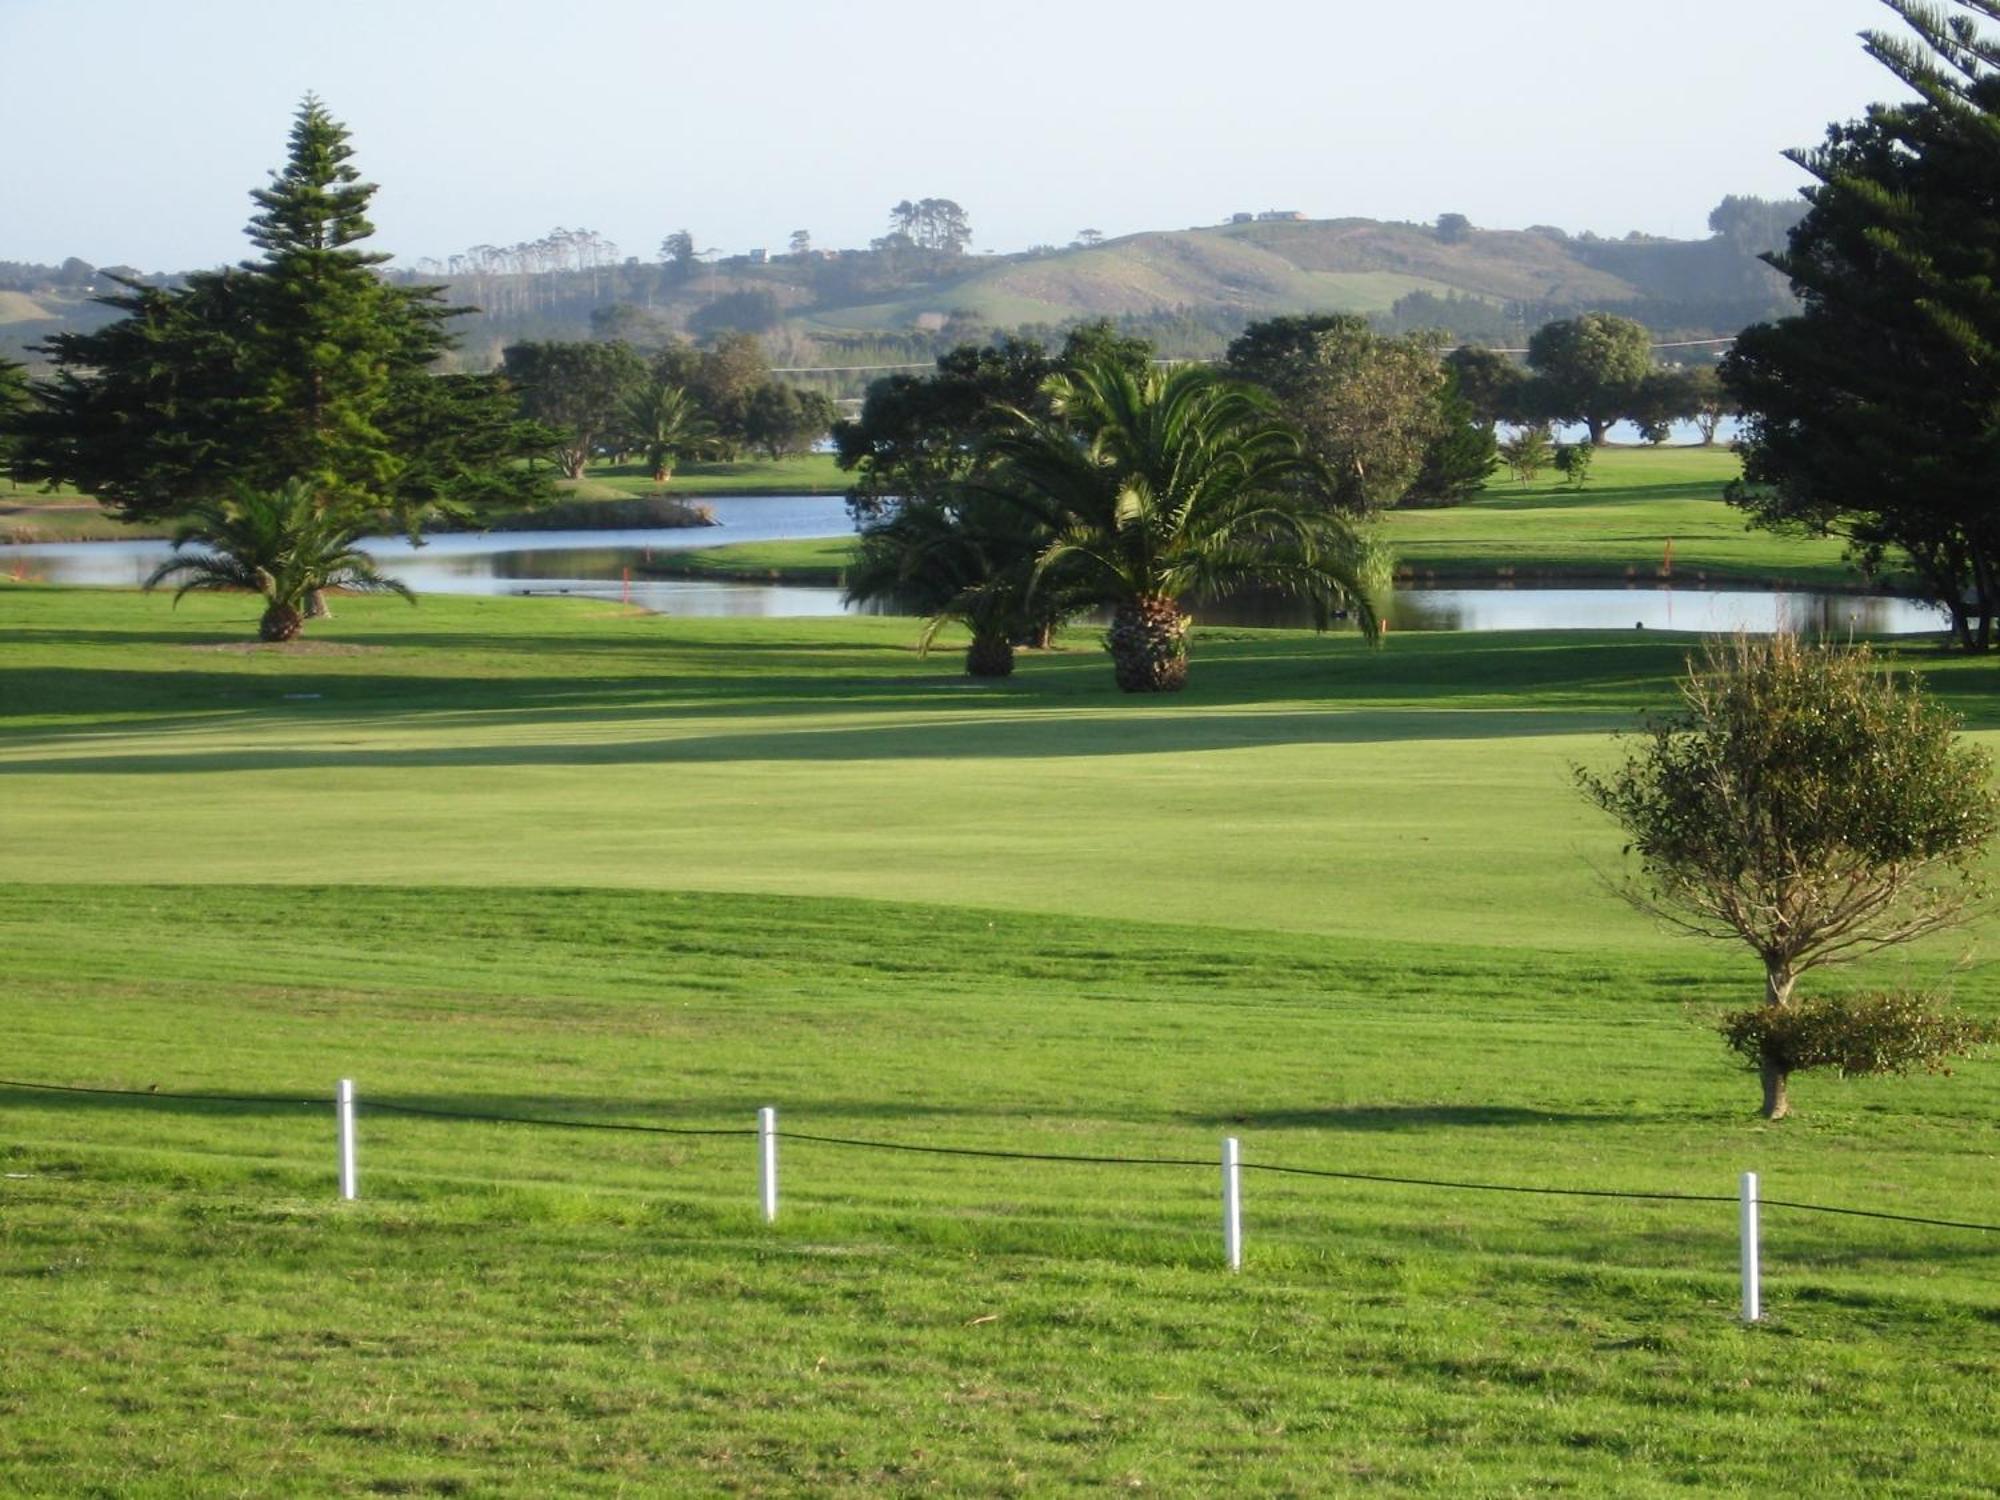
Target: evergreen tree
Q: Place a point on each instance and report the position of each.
(302, 364)
(1875, 413)
(13, 405)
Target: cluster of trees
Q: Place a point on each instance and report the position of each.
(1595, 371)
(1016, 487)
(1386, 418)
(935, 224)
(680, 404)
(282, 407)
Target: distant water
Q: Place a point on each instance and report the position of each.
(613, 564)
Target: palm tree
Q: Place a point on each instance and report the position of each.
(967, 559)
(664, 420)
(286, 545)
(1167, 485)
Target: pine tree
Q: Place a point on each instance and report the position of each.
(1875, 413)
(302, 364)
(332, 335)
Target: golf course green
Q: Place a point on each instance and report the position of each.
(560, 861)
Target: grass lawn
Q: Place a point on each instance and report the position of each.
(800, 474)
(552, 858)
(1617, 526)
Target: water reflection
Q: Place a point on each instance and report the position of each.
(615, 565)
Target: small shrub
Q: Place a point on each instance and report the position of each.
(1572, 461)
(1857, 1036)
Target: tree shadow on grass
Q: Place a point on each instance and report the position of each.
(999, 738)
(1607, 494)
(1385, 1117)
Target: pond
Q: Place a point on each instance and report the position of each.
(614, 564)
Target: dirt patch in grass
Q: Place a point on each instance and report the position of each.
(287, 648)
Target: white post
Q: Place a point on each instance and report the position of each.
(767, 1162)
(1232, 1203)
(1752, 1290)
(345, 1110)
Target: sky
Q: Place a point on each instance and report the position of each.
(135, 129)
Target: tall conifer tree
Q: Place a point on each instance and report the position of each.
(301, 364)
(1875, 413)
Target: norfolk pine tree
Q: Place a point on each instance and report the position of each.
(1874, 414)
(303, 364)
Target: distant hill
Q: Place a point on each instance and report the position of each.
(1191, 290)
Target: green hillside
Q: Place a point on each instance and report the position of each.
(1194, 288)
(1345, 265)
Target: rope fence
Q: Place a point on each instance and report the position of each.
(768, 1135)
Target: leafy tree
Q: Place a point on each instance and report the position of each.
(1488, 381)
(301, 364)
(287, 545)
(1529, 451)
(1874, 414)
(1168, 485)
(967, 558)
(1369, 406)
(801, 241)
(1755, 226)
(677, 250)
(1089, 239)
(1808, 803)
(1453, 229)
(752, 310)
(781, 418)
(1711, 399)
(936, 224)
(577, 390)
(1590, 368)
(1461, 458)
(1664, 397)
(1572, 461)
(724, 380)
(664, 423)
(918, 436)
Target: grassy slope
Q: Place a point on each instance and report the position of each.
(1385, 952)
(1263, 269)
(1616, 527)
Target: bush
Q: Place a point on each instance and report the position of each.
(1857, 1036)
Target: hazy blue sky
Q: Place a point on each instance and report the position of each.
(135, 128)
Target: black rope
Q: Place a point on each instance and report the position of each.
(1876, 1213)
(995, 1155)
(452, 1114)
(325, 1102)
(1101, 1161)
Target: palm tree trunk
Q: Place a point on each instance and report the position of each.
(281, 622)
(1148, 641)
(991, 654)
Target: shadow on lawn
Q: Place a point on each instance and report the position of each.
(1007, 738)
(1598, 495)
(1408, 1117)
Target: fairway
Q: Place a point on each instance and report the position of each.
(557, 860)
